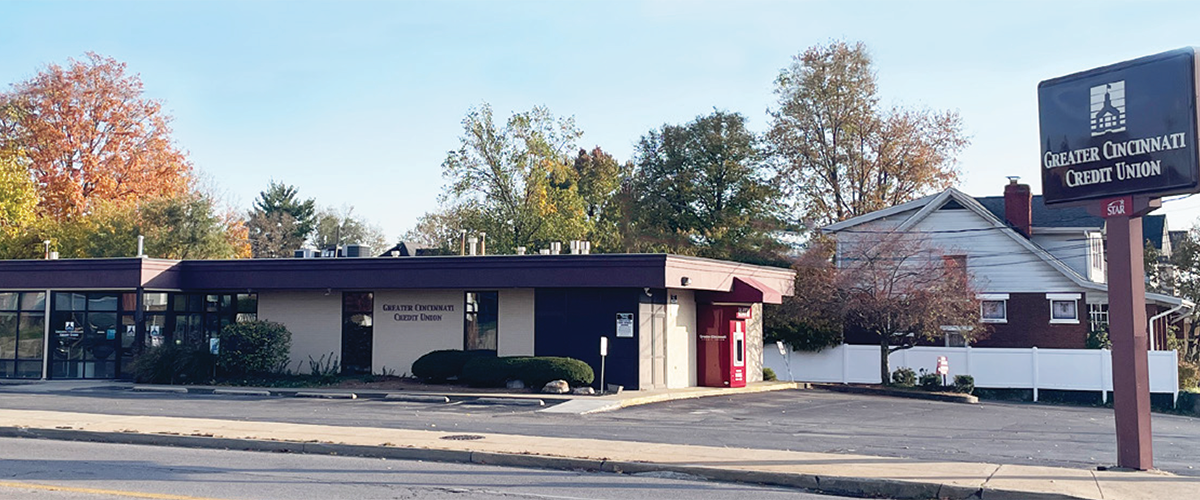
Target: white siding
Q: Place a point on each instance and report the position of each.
(1071, 249)
(998, 263)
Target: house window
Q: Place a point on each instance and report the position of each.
(1098, 315)
(953, 336)
(1064, 308)
(481, 321)
(993, 307)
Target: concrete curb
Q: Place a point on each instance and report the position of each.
(507, 401)
(327, 395)
(160, 388)
(855, 486)
(898, 393)
(414, 398)
(241, 392)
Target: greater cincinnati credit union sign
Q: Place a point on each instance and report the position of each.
(1124, 129)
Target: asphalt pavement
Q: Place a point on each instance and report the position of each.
(798, 438)
(78, 471)
(795, 420)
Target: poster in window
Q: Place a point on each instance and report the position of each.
(1063, 309)
(993, 309)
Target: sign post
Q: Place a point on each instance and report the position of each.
(603, 357)
(1116, 139)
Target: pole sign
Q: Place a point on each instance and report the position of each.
(1124, 129)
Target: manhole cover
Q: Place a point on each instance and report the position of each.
(462, 437)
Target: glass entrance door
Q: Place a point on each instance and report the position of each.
(85, 342)
(357, 331)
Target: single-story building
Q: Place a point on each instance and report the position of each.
(665, 316)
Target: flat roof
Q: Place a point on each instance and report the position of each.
(371, 273)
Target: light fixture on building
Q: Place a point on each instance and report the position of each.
(685, 281)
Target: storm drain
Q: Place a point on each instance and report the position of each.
(462, 437)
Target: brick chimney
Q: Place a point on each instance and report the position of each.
(1017, 206)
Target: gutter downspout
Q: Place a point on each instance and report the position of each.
(1156, 318)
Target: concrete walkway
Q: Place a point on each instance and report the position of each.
(857, 475)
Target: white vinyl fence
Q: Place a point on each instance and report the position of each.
(992, 368)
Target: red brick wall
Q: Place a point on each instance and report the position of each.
(1029, 325)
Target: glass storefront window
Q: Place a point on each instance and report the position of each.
(481, 321)
(22, 333)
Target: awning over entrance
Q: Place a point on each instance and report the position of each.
(745, 290)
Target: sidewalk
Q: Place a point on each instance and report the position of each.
(857, 475)
(564, 403)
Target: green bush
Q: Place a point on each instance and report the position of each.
(534, 371)
(253, 347)
(964, 384)
(173, 364)
(439, 366)
(904, 377)
(1097, 337)
(1189, 375)
(931, 381)
(769, 375)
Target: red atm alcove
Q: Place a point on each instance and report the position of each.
(721, 348)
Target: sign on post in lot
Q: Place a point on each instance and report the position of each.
(1116, 139)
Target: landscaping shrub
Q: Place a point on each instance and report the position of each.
(1189, 375)
(769, 375)
(964, 384)
(253, 347)
(534, 371)
(931, 381)
(439, 366)
(904, 377)
(172, 364)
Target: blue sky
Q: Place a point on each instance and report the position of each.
(357, 103)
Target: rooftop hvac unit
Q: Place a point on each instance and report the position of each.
(356, 250)
(305, 253)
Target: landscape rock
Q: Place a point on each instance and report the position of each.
(516, 384)
(583, 391)
(556, 387)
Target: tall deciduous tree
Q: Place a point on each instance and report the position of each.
(90, 134)
(517, 177)
(901, 289)
(840, 154)
(811, 319)
(341, 226)
(280, 221)
(701, 188)
(18, 195)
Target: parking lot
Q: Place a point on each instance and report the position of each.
(805, 420)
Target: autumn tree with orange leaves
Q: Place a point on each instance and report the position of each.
(100, 158)
(89, 133)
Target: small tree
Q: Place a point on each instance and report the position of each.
(901, 289)
(810, 320)
(253, 347)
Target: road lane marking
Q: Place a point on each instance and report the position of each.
(98, 491)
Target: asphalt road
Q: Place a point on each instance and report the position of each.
(817, 421)
(72, 470)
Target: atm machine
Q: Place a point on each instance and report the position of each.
(721, 346)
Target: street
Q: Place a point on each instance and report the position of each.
(1077, 437)
(76, 470)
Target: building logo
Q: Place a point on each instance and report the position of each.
(1108, 108)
